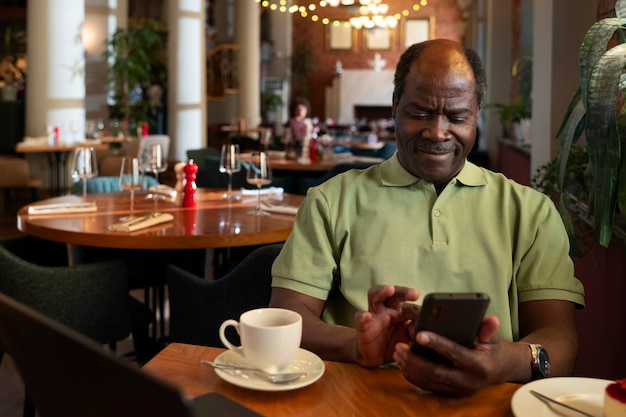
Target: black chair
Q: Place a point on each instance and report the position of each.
(305, 182)
(199, 155)
(92, 299)
(198, 306)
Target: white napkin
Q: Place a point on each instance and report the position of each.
(264, 191)
(279, 208)
(141, 222)
(63, 208)
(163, 189)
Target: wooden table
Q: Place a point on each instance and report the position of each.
(343, 390)
(57, 159)
(214, 223)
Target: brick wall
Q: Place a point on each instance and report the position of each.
(445, 13)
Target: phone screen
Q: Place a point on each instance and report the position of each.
(457, 316)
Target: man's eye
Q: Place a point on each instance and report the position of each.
(419, 116)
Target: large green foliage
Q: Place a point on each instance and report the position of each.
(135, 63)
(597, 110)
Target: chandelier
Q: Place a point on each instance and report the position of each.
(369, 14)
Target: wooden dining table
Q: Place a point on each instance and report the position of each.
(214, 223)
(343, 390)
(57, 158)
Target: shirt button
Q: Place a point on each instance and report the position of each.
(436, 212)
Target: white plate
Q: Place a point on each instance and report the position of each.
(586, 394)
(305, 361)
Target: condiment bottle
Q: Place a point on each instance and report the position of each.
(189, 191)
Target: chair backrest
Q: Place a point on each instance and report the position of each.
(67, 375)
(90, 298)
(147, 141)
(198, 306)
(199, 155)
(107, 185)
(211, 177)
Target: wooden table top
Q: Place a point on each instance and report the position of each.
(214, 223)
(45, 148)
(343, 390)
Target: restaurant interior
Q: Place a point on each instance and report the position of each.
(225, 72)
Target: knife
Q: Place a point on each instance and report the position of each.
(551, 401)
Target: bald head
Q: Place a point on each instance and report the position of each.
(440, 56)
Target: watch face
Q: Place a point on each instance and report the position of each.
(544, 362)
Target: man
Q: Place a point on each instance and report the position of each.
(367, 244)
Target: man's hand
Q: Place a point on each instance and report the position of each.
(471, 369)
(388, 321)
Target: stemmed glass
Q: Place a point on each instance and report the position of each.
(158, 161)
(131, 179)
(154, 160)
(230, 163)
(84, 165)
(259, 173)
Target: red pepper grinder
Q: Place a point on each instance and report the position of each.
(189, 191)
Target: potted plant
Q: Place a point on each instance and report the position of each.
(272, 102)
(515, 119)
(136, 63)
(546, 180)
(597, 110)
(12, 64)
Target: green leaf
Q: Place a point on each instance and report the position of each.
(603, 139)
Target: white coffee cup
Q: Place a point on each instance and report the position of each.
(270, 337)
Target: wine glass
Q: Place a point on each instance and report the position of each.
(259, 173)
(84, 165)
(230, 163)
(153, 160)
(158, 161)
(131, 179)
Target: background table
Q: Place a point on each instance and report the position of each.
(343, 390)
(57, 159)
(214, 223)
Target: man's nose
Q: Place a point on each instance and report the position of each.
(438, 129)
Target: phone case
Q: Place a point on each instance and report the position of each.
(457, 316)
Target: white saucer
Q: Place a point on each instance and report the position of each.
(305, 361)
(586, 394)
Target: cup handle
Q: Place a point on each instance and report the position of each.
(224, 339)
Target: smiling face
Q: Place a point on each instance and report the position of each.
(436, 115)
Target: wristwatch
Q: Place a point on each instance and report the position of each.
(540, 361)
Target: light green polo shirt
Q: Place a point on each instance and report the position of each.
(382, 225)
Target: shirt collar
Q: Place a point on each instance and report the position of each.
(394, 175)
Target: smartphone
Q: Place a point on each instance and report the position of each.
(457, 316)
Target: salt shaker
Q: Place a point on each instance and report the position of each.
(190, 188)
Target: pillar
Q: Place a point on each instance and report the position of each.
(186, 114)
(247, 32)
(55, 93)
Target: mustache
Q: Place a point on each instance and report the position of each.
(436, 147)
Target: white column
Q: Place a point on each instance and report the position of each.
(186, 113)
(55, 91)
(558, 30)
(247, 32)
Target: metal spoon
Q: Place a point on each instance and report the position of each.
(284, 378)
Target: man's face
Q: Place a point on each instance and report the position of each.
(436, 117)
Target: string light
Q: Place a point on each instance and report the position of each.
(371, 13)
